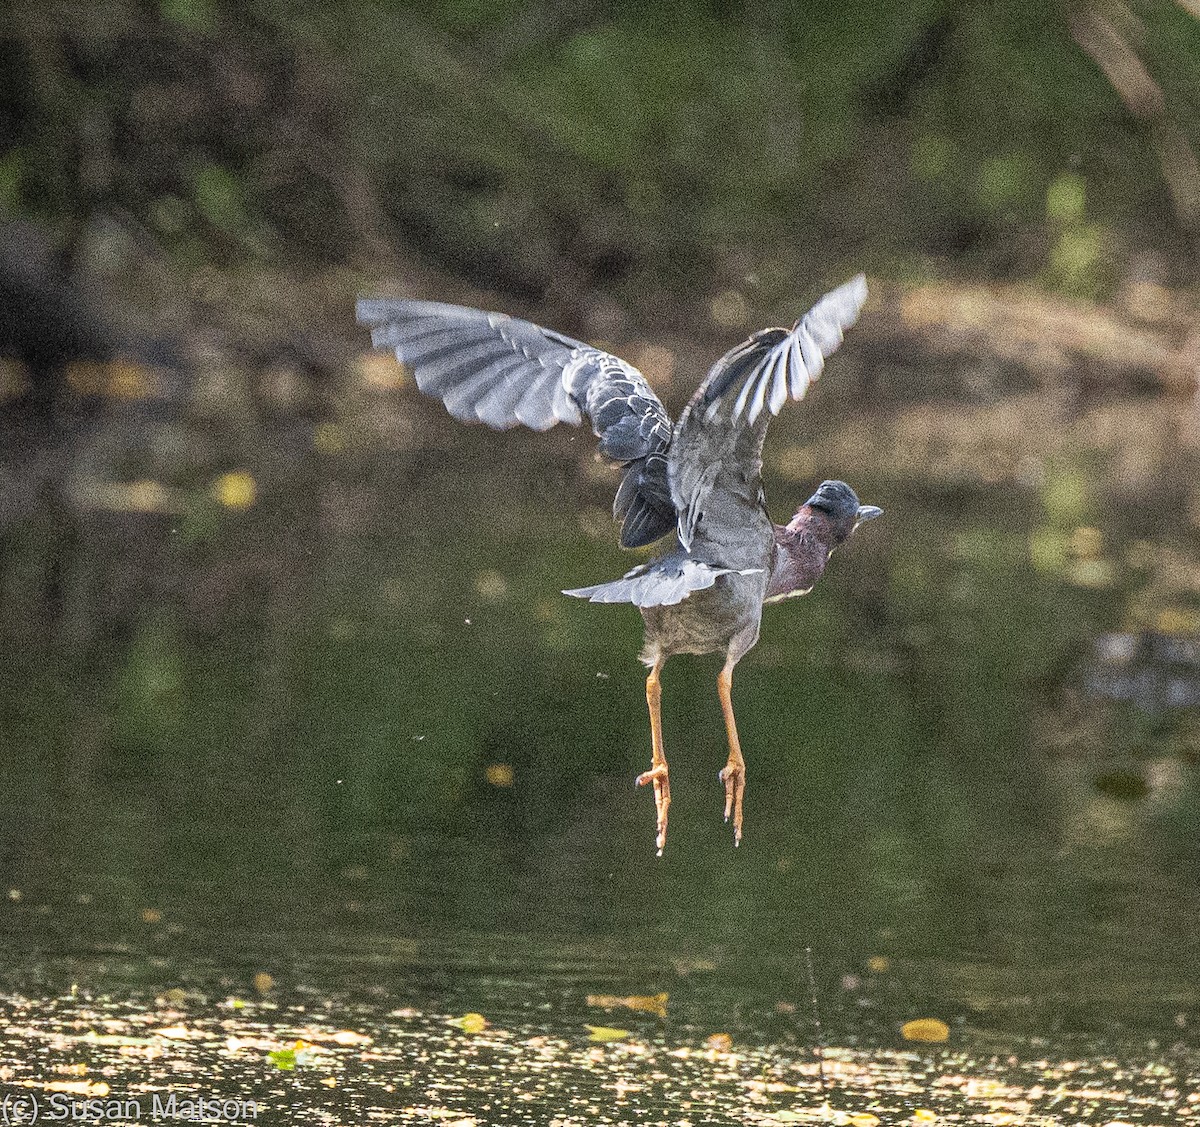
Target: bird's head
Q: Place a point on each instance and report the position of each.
(840, 505)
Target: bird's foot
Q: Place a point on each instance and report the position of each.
(733, 775)
(662, 800)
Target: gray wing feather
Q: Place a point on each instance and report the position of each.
(718, 440)
(502, 371)
(661, 583)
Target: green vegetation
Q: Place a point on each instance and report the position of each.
(547, 148)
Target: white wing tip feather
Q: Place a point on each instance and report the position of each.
(796, 362)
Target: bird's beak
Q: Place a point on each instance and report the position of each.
(867, 512)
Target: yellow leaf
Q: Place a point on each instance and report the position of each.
(930, 1029)
(472, 1023)
(879, 964)
(605, 1033)
(499, 774)
(923, 1115)
(721, 1042)
(263, 982)
(236, 490)
(863, 1119)
(644, 1003)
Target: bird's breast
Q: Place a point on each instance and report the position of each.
(706, 621)
(799, 562)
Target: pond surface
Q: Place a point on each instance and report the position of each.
(341, 763)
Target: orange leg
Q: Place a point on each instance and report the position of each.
(734, 773)
(658, 761)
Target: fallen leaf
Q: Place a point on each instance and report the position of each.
(605, 1033)
(645, 1003)
(471, 1023)
(929, 1029)
(721, 1042)
(301, 1053)
(236, 490)
(499, 774)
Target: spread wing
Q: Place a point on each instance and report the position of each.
(498, 370)
(716, 455)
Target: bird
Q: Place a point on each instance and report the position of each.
(695, 484)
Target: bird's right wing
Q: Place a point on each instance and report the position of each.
(502, 371)
(717, 448)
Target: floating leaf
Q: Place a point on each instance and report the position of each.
(236, 489)
(301, 1053)
(605, 1033)
(721, 1042)
(644, 1003)
(930, 1029)
(499, 774)
(471, 1023)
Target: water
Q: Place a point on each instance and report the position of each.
(351, 738)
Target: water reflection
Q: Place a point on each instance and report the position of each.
(352, 726)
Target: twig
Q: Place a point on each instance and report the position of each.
(819, 1048)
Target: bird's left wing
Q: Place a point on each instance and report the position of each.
(718, 439)
(502, 371)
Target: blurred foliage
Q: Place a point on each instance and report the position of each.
(547, 148)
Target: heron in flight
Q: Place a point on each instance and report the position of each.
(695, 484)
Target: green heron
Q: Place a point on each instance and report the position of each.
(698, 480)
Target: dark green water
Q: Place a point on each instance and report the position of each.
(279, 761)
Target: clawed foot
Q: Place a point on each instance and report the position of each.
(733, 775)
(662, 800)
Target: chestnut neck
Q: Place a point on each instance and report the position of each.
(802, 548)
